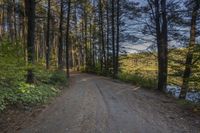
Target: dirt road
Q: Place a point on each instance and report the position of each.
(95, 104)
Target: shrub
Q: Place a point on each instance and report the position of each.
(58, 77)
(139, 80)
(13, 70)
(33, 94)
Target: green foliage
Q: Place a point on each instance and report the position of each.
(26, 94)
(11, 63)
(96, 69)
(34, 94)
(139, 80)
(13, 89)
(58, 77)
(7, 95)
(42, 75)
(145, 65)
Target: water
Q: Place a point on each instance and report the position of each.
(193, 96)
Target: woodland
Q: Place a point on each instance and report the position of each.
(42, 41)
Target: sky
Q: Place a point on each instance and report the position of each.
(134, 27)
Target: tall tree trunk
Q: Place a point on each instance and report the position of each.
(85, 39)
(67, 37)
(93, 46)
(15, 20)
(48, 35)
(113, 39)
(117, 39)
(102, 55)
(162, 43)
(189, 58)
(91, 43)
(1, 19)
(107, 37)
(30, 12)
(60, 47)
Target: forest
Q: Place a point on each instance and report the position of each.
(152, 44)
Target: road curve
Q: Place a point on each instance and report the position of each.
(95, 104)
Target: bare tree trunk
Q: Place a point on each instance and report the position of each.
(117, 39)
(102, 44)
(113, 39)
(162, 43)
(1, 19)
(85, 38)
(48, 35)
(60, 47)
(107, 37)
(30, 12)
(15, 20)
(189, 58)
(67, 37)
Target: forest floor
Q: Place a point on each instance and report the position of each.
(95, 104)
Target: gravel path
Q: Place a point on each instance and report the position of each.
(96, 104)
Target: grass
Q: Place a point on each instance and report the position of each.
(139, 80)
(141, 69)
(46, 85)
(14, 90)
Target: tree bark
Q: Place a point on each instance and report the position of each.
(107, 36)
(67, 37)
(102, 43)
(30, 12)
(162, 43)
(48, 35)
(189, 58)
(60, 47)
(113, 39)
(117, 39)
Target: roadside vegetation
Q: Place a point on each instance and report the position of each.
(39, 39)
(13, 86)
(141, 69)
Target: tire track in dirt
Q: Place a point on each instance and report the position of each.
(96, 104)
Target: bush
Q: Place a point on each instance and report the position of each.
(33, 94)
(13, 70)
(12, 64)
(42, 75)
(139, 80)
(26, 94)
(17, 91)
(58, 78)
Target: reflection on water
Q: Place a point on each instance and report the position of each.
(193, 96)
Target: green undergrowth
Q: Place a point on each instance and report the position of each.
(145, 66)
(13, 87)
(139, 80)
(47, 85)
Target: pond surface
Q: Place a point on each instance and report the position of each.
(193, 96)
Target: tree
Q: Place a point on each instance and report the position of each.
(101, 37)
(60, 47)
(117, 37)
(67, 37)
(30, 13)
(113, 39)
(191, 47)
(161, 24)
(48, 35)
